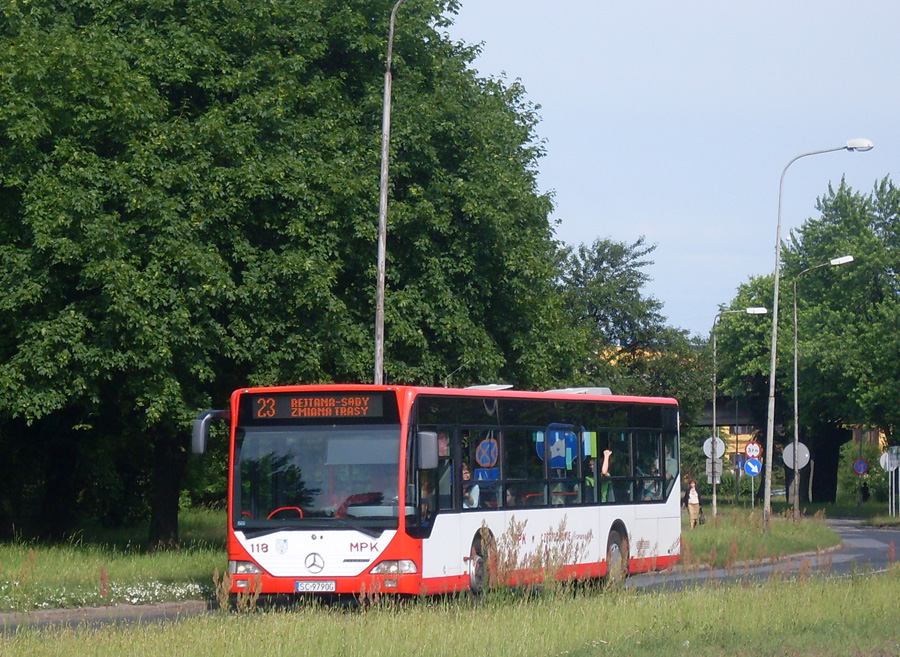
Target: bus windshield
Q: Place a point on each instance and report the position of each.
(306, 476)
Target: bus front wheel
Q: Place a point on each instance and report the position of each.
(479, 561)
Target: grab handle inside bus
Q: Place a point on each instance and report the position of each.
(428, 450)
(200, 434)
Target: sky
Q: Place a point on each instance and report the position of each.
(674, 121)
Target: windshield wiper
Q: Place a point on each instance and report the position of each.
(265, 531)
(256, 532)
(368, 531)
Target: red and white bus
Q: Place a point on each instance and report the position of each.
(344, 489)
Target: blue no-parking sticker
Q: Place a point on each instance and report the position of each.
(487, 453)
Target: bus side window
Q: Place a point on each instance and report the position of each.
(536, 495)
(648, 485)
(490, 496)
(621, 490)
(671, 465)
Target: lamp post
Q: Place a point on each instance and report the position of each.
(755, 310)
(861, 145)
(383, 203)
(843, 260)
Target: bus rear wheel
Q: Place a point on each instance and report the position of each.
(616, 560)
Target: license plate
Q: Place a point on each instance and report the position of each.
(315, 586)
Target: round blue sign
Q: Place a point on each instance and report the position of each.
(860, 466)
(753, 467)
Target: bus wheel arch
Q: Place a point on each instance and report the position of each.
(617, 555)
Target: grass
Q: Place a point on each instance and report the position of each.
(882, 521)
(873, 513)
(812, 617)
(737, 535)
(97, 568)
(806, 616)
(844, 507)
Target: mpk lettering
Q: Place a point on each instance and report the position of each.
(363, 546)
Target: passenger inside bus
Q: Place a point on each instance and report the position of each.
(650, 486)
(590, 480)
(445, 472)
(426, 497)
(606, 494)
(512, 498)
(471, 492)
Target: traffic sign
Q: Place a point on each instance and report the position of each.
(753, 467)
(889, 461)
(487, 453)
(802, 455)
(708, 447)
(753, 449)
(860, 467)
(709, 467)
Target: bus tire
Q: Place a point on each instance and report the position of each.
(616, 560)
(480, 555)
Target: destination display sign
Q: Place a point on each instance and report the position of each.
(300, 405)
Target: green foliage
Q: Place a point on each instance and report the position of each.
(847, 316)
(605, 287)
(190, 201)
(189, 206)
(624, 338)
(693, 460)
(849, 482)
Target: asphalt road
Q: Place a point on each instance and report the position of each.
(101, 616)
(862, 550)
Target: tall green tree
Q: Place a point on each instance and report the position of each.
(606, 290)
(828, 307)
(743, 349)
(743, 356)
(626, 342)
(848, 327)
(189, 205)
(864, 313)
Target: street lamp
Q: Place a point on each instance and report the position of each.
(755, 310)
(861, 145)
(843, 260)
(383, 203)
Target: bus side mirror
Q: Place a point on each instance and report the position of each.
(428, 450)
(200, 434)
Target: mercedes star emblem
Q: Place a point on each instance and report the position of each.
(314, 562)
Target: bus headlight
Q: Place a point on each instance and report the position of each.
(244, 568)
(401, 567)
